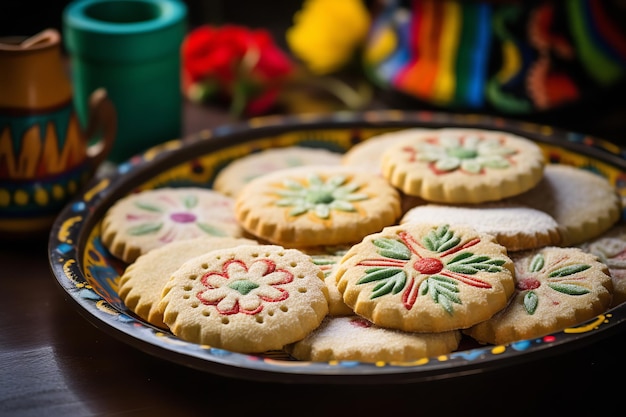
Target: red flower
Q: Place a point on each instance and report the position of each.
(235, 63)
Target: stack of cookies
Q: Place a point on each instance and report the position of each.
(393, 251)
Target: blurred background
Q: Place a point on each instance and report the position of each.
(27, 17)
(600, 112)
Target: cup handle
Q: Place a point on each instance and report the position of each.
(102, 119)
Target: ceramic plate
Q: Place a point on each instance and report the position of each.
(88, 273)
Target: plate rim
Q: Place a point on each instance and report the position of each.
(66, 240)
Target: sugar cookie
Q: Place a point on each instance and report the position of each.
(516, 227)
(251, 298)
(231, 179)
(426, 277)
(610, 248)
(140, 222)
(583, 203)
(313, 206)
(555, 288)
(142, 281)
(368, 154)
(353, 338)
(463, 165)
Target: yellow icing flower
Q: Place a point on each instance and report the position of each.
(326, 33)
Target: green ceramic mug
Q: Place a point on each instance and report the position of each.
(132, 49)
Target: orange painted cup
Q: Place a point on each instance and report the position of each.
(46, 156)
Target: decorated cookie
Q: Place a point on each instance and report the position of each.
(314, 205)
(516, 227)
(463, 165)
(555, 288)
(424, 277)
(142, 282)
(610, 248)
(238, 173)
(149, 219)
(353, 338)
(583, 203)
(251, 298)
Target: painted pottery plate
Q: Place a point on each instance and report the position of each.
(88, 273)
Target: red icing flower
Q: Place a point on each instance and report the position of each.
(236, 64)
(242, 288)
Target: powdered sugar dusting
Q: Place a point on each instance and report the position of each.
(501, 219)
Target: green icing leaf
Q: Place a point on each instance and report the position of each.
(148, 207)
(211, 230)
(389, 280)
(190, 201)
(460, 257)
(568, 270)
(462, 153)
(497, 163)
(346, 189)
(342, 206)
(243, 286)
(350, 187)
(394, 284)
(315, 180)
(569, 289)
(319, 197)
(355, 197)
(443, 291)
(448, 164)
(537, 263)
(376, 274)
(323, 261)
(292, 185)
(145, 229)
(472, 166)
(468, 263)
(391, 248)
(298, 210)
(440, 239)
(336, 181)
(531, 301)
(446, 303)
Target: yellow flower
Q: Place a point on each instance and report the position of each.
(326, 33)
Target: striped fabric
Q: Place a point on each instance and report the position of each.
(510, 56)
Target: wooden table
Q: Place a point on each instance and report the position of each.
(54, 363)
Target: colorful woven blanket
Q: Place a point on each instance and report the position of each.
(514, 57)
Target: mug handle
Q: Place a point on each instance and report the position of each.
(102, 119)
